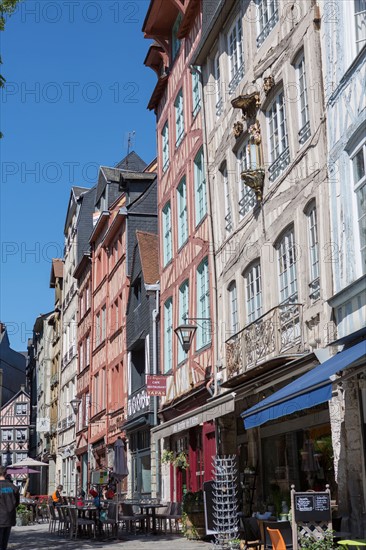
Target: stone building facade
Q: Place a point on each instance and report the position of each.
(267, 174)
(343, 38)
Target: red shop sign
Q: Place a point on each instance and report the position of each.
(155, 384)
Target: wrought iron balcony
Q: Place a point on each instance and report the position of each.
(236, 79)
(279, 165)
(277, 332)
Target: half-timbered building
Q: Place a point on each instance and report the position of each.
(14, 426)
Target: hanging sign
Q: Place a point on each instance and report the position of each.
(156, 384)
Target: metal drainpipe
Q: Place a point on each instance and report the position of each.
(155, 315)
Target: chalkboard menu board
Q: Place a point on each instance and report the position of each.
(312, 507)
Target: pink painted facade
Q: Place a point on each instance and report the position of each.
(185, 268)
(109, 296)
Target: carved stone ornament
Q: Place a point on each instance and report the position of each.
(268, 84)
(249, 104)
(238, 128)
(255, 180)
(255, 132)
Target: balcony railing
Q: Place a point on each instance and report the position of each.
(236, 79)
(279, 165)
(277, 332)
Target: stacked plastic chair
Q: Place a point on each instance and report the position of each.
(225, 500)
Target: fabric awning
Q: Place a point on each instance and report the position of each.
(308, 390)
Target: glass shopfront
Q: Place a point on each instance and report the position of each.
(141, 463)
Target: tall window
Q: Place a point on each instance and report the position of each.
(246, 160)
(97, 329)
(303, 107)
(359, 177)
(104, 323)
(203, 334)
(200, 186)
(196, 94)
(314, 284)
(175, 39)
(253, 290)
(360, 23)
(81, 356)
(267, 17)
(235, 50)
(287, 268)
(179, 118)
(87, 351)
(218, 95)
(168, 335)
(182, 212)
(167, 234)
(165, 146)
(228, 213)
(278, 139)
(233, 304)
(183, 313)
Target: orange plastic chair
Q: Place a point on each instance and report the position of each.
(277, 539)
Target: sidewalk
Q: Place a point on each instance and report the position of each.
(37, 537)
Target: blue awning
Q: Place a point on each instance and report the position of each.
(311, 389)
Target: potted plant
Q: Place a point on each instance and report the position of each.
(23, 516)
(181, 461)
(234, 544)
(323, 543)
(193, 516)
(167, 457)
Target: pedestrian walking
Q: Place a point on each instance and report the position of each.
(9, 500)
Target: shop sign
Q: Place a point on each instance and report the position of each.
(43, 425)
(186, 424)
(139, 402)
(156, 384)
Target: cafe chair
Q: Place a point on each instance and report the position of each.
(285, 529)
(108, 517)
(175, 515)
(251, 533)
(52, 526)
(162, 517)
(77, 522)
(277, 539)
(129, 519)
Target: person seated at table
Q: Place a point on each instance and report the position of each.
(96, 498)
(56, 496)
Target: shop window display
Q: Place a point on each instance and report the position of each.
(303, 458)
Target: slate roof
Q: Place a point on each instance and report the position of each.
(148, 245)
(132, 162)
(75, 193)
(84, 223)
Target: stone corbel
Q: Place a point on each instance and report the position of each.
(249, 104)
(268, 83)
(255, 180)
(238, 128)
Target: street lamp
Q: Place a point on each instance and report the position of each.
(185, 335)
(75, 404)
(186, 331)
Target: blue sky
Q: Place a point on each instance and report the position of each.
(76, 85)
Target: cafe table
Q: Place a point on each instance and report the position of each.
(151, 506)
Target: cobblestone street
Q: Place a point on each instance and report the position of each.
(37, 537)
